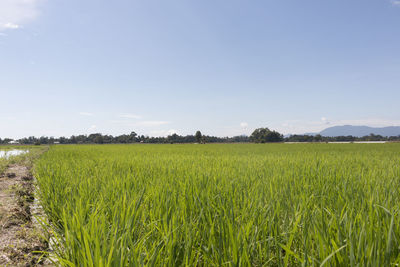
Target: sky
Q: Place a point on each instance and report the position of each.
(224, 67)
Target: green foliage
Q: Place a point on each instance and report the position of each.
(265, 135)
(223, 205)
(198, 137)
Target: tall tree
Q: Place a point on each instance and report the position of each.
(265, 135)
(198, 137)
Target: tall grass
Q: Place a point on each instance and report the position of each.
(223, 205)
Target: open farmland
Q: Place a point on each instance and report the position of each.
(223, 205)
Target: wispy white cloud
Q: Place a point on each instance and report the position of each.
(395, 2)
(10, 25)
(15, 13)
(92, 127)
(244, 124)
(130, 116)
(325, 120)
(140, 123)
(118, 121)
(151, 123)
(163, 132)
(86, 114)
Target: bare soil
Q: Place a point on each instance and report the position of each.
(20, 234)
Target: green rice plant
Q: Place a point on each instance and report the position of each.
(223, 204)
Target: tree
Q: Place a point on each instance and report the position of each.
(265, 135)
(174, 138)
(198, 137)
(318, 138)
(7, 140)
(132, 137)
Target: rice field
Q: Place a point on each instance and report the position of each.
(222, 204)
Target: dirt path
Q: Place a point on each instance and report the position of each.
(19, 236)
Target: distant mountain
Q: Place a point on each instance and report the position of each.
(360, 131)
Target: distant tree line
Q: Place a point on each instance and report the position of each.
(260, 135)
(5, 140)
(348, 138)
(133, 137)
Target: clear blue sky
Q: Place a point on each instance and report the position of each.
(223, 67)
